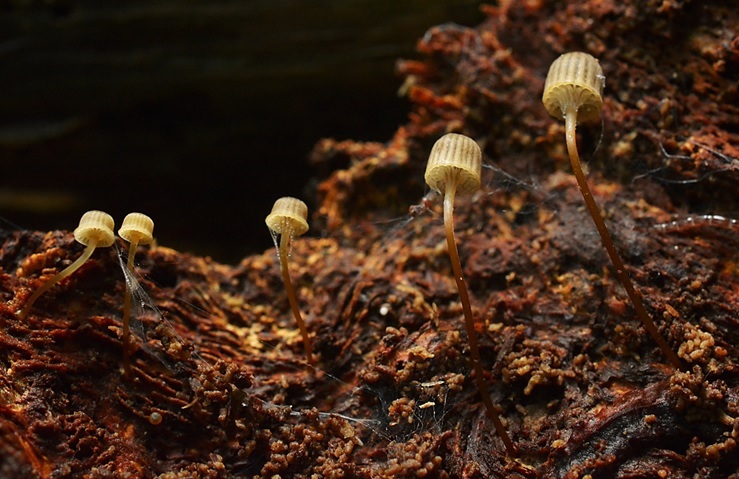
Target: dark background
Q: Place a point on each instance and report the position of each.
(197, 113)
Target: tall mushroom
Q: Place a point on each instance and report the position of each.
(454, 167)
(573, 91)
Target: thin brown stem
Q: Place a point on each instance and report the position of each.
(623, 276)
(469, 322)
(284, 253)
(59, 276)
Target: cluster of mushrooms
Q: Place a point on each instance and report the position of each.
(572, 91)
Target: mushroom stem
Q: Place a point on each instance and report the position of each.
(127, 309)
(285, 238)
(605, 236)
(132, 253)
(469, 322)
(89, 249)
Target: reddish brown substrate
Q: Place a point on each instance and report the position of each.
(581, 386)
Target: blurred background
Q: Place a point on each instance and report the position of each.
(197, 113)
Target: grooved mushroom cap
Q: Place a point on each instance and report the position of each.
(574, 79)
(454, 155)
(95, 225)
(137, 226)
(289, 215)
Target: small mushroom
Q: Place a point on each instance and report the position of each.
(454, 167)
(287, 220)
(137, 228)
(573, 91)
(95, 230)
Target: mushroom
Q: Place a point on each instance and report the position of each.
(573, 91)
(287, 220)
(95, 230)
(454, 167)
(137, 228)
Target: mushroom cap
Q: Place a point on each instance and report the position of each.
(289, 216)
(454, 157)
(137, 226)
(95, 225)
(574, 79)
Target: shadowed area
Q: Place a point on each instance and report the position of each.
(191, 111)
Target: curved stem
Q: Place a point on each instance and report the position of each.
(127, 307)
(284, 253)
(59, 276)
(469, 322)
(623, 276)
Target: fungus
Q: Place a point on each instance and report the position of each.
(95, 230)
(137, 228)
(287, 220)
(454, 167)
(573, 91)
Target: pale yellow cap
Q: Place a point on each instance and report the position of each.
(457, 155)
(137, 226)
(288, 213)
(575, 79)
(95, 225)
